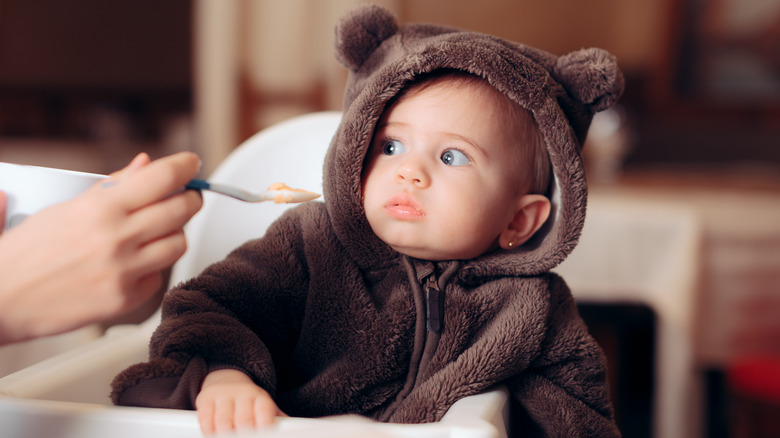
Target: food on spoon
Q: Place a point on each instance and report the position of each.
(285, 194)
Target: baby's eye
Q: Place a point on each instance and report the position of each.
(454, 157)
(393, 147)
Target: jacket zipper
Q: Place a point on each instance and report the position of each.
(430, 302)
(429, 299)
(433, 301)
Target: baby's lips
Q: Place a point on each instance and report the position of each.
(404, 206)
(404, 200)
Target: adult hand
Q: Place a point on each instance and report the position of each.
(98, 255)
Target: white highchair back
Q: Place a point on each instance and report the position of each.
(291, 152)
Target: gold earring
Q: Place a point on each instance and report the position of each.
(511, 244)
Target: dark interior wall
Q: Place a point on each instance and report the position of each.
(139, 44)
(62, 63)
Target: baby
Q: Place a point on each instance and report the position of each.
(453, 185)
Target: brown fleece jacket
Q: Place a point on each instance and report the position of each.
(331, 320)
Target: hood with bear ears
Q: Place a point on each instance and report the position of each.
(562, 93)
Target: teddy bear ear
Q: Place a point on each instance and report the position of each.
(360, 32)
(591, 76)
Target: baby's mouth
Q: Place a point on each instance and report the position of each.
(404, 206)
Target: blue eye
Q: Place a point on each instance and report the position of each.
(454, 157)
(393, 147)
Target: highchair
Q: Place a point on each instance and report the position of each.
(67, 395)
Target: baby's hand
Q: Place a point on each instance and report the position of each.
(229, 400)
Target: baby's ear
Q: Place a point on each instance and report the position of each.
(591, 76)
(360, 32)
(531, 214)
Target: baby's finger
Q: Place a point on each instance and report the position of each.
(244, 416)
(265, 411)
(223, 415)
(206, 418)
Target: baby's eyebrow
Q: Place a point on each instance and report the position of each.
(385, 124)
(479, 148)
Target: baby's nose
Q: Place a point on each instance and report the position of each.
(413, 172)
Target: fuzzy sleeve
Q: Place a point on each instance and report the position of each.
(564, 391)
(243, 313)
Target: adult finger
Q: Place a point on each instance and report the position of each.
(159, 254)
(156, 180)
(145, 287)
(134, 165)
(3, 209)
(137, 162)
(162, 218)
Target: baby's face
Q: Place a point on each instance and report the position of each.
(441, 179)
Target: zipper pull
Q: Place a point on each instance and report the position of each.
(434, 307)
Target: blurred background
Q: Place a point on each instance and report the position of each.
(87, 84)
